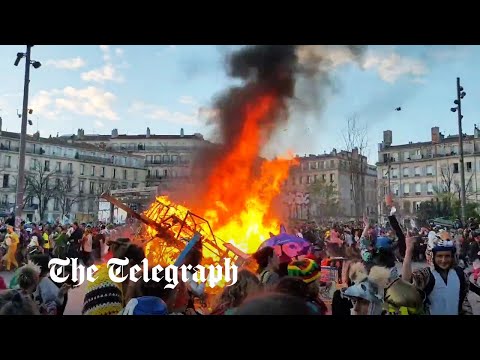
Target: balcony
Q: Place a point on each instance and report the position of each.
(167, 162)
(9, 148)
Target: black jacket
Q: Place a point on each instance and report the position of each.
(402, 246)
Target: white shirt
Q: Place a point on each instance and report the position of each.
(444, 298)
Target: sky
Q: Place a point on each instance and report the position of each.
(169, 87)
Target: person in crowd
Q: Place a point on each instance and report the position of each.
(87, 246)
(12, 240)
(233, 296)
(275, 304)
(309, 272)
(268, 265)
(12, 302)
(28, 278)
(48, 295)
(104, 296)
(444, 283)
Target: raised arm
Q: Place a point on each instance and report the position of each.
(407, 261)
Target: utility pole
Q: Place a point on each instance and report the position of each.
(23, 132)
(460, 95)
(23, 137)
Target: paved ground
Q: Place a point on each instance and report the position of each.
(75, 300)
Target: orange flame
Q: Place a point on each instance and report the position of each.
(240, 198)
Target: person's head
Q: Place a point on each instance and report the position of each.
(246, 285)
(441, 250)
(28, 277)
(9, 229)
(75, 225)
(292, 285)
(275, 304)
(266, 258)
(42, 262)
(12, 302)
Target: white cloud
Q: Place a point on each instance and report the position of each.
(389, 65)
(106, 52)
(119, 51)
(187, 100)
(69, 64)
(106, 73)
(89, 101)
(156, 112)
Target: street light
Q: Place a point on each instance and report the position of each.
(23, 133)
(460, 95)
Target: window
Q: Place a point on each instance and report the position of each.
(82, 169)
(114, 173)
(8, 161)
(93, 170)
(70, 168)
(301, 180)
(394, 173)
(174, 158)
(332, 177)
(395, 189)
(418, 189)
(33, 164)
(58, 167)
(124, 174)
(324, 177)
(315, 178)
(469, 166)
(406, 172)
(430, 188)
(80, 186)
(149, 159)
(135, 175)
(5, 180)
(47, 165)
(69, 184)
(418, 171)
(455, 168)
(92, 187)
(166, 158)
(5, 199)
(322, 164)
(406, 156)
(56, 204)
(332, 163)
(165, 173)
(102, 187)
(406, 189)
(58, 183)
(429, 170)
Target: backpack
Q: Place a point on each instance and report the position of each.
(463, 286)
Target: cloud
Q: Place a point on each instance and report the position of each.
(393, 66)
(69, 64)
(89, 101)
(157, 112)
(187, 100)
(106, 73)
(389, 65)
(109, 71)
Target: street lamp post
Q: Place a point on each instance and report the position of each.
(23, 133)
(460, 95)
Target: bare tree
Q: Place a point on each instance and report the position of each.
(324, 196)
(39, 184)
(355, 137)
(65, 194)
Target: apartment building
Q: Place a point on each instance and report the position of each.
(419, 170)
(71, 175)
(347, 175)
(168, 158)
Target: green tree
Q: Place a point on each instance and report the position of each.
(324, 198)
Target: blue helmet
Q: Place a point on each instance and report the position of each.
(383, 242)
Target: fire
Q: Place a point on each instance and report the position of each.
(240, 197)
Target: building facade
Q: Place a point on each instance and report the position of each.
(415, 172)
(168, 159)
(339, 185)
(64, 177)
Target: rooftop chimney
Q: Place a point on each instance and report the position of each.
(476, 133)
(148, 132)
(182, 134)
(436, 139)
(114, 133)
(387, 138)
(80, 133)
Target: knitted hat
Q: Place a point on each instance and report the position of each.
(307, 269)
(145, 305)
(103, 296)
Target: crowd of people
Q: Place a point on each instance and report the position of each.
(374, 267)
